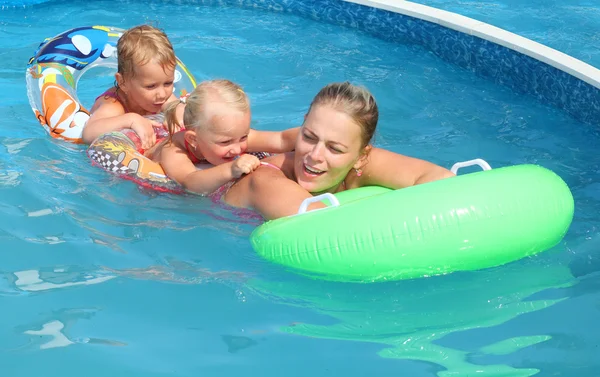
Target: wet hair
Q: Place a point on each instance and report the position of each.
(354, 101)
(206, 93)
(142, 44)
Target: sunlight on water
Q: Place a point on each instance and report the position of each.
(171, 284)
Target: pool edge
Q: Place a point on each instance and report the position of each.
(494, 34)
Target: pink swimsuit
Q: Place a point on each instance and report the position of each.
(195, 160)
(270, 164)
(110, 93)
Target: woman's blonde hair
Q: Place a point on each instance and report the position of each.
(142, 44)
(355, 101)
(206, 93)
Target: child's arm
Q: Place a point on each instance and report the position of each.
(272, 141)
(178, 167)
(110, 116)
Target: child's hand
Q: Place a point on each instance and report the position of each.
(144, 127)
(245, 164)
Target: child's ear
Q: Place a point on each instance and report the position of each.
(119, 79)
(190, 138)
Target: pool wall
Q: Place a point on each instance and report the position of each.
(505, 58)
(519, 63)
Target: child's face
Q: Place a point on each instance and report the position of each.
(149, 88)
(225, 138)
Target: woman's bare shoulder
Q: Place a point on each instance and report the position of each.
(257, 182)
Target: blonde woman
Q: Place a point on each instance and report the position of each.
(333, 153)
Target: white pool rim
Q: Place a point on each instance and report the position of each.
(470, 26)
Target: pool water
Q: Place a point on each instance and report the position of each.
(99, 277)
(572, 27)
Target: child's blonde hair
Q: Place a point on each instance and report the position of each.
(142, 44)
(207, 92)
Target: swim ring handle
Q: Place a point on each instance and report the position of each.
(335, 202)
(332, 199)
(478, 161)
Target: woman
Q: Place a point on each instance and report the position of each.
(332, 154)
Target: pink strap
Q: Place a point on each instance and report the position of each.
(110, 93)
(269, 164)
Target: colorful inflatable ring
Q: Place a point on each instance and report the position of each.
(119, 153)
(468, 222)
(58, 64)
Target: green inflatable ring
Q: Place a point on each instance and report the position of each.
(468, 222)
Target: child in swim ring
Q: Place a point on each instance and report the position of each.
(143, 86)
(217, 132)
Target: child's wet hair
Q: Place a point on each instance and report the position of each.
(354, 101)
(142, 44)
(206, 93)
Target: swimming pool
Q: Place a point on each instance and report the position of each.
(572, 27)
(99, 277)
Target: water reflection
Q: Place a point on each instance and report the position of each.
(411, 317)
(34, 280)
(53, 332)
(176, 271)
(173, 271)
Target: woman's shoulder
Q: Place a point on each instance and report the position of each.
(283, 161)
(271, 169)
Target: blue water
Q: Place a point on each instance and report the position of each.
(130, 282)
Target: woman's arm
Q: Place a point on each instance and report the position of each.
(272, 141)
(393, 170)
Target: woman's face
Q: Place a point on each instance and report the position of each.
(328, 147)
